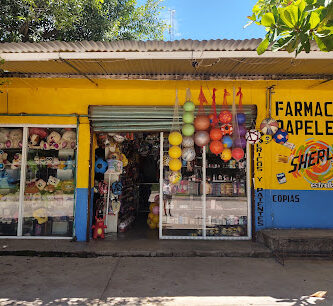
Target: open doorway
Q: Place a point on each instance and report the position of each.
(126, 184)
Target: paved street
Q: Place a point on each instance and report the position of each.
(163, 281)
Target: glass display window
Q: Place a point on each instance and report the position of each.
(38, 189)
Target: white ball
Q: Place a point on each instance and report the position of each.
(188, 142)
(188, 154)
(252, 136)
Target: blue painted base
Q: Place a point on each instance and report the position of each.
(81, 213)
(293, 209)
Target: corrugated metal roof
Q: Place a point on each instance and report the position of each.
(132, 46)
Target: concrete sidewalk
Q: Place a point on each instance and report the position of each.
(133, 248)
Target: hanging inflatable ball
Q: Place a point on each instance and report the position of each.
(215, 134)
(201, 123)
(225, 117)
(241, 118)
(237, 153)
(175, 138)
(216, 147)
(242, 130)
(188, 129)
(175, 177)
(226, 129)
(188, 117)
(201, 138)
(175, 152)
(188, 142)
(281, 136)
(212, 120)
(189, 106)
(240, 142)
(226, 154)
(266, 139)
(227, 141)
(252, 136)
(269, 126)
(100, 165)
(166, 160)
(175, 164)
(188, 154)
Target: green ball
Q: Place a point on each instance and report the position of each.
(188, 129)
(188, 117)
(189, 106)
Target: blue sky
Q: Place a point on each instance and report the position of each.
(212, 19)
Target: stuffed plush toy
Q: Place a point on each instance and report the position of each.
(4, 137)
(3, 159)
(53, 181)
(52, 141)
(16, 163)
(41, 132)
(15, 139)
(68, 140)
(41, 184)
(31, 187)
(34, 141)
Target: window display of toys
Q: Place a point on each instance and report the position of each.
(269, 126)
(281, 136)
(252, 136)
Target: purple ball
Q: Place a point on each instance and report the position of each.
(240, 143)
(242, 130)
(241, 118)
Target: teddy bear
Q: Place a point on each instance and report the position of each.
(14, 139)
(4, 136)
(3, 159)
(35, 137)
(68, 140)
(16, 163)
(52, 141)
(52, 183)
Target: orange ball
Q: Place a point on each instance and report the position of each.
(216, 147)
(215, 134)
(201, 123)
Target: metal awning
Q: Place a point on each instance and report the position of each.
(147, 118)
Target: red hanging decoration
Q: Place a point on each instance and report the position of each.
(225, 116)
(226, 93)
(213, 115)
(201, 122)
(240, 94)
(202, 99)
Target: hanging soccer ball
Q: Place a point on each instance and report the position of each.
(225, 117)
(201, 123)
(166, 160)
(241, 118)
(189, 106)
(252, 136)
(266, 139)
(188, 154)
(188, 142)
(281, 136)
(215, 134)
(237, 153)
(269, 126)
(175, 152)
(226, 129)
(175, 164)
(175, 177)
(201, 138)
(175, 138)
(188, 129)
(216, 147)
(226, 154)
(188, 117)
(227, 141)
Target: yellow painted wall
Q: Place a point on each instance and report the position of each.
(62, 96)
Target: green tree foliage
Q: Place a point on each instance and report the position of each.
(75, 20)
(292, 24)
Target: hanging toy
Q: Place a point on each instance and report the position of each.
(215, 134)
(225, 116)
(201, 122)
(188, 129)
(226, 129)
(175, 152)
(175, 138)
(269, 126)
(281, 136)
(188, 154)
(252, 136)
(266, 139)
(189, 106)
(227, 141)
(175, 164)
(201, 138)
(213, 119)
(100, 165)
(216, 147)
(240, 142)
(226, 155)
(188, 117)
(242, 130)
(241, 118)
(188, 142)
(237, 153)
(175, 177)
